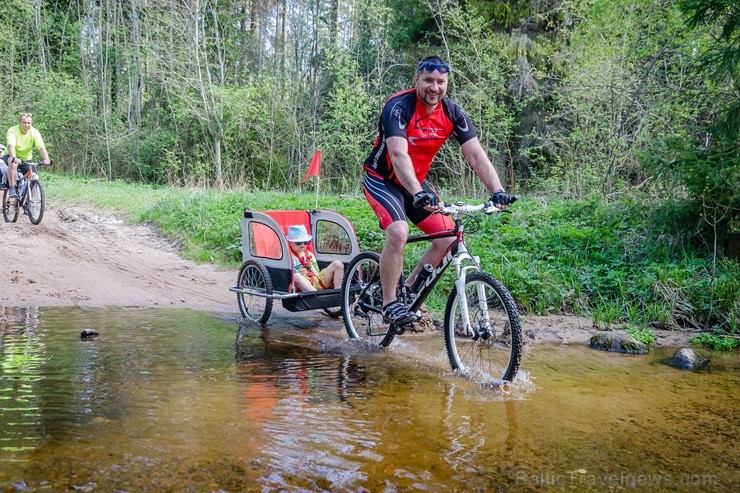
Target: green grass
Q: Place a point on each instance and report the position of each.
(128, 198)
(716, 341)
(646, 336)
(555, 256)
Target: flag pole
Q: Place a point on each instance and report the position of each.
(314, 170)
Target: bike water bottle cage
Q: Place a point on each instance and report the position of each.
(421, 277)
(443, 68)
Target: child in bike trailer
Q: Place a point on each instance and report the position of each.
(306, 273)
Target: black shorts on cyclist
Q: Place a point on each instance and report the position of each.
(23, 169)
(391, 203)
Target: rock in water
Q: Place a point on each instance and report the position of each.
(617, 342)
(89, 334)
(687, 359)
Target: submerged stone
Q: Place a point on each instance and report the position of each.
(89, 333)
(687, 359)
(617, 342)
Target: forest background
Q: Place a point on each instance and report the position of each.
(635, 101)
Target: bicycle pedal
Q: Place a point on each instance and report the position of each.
(400, 328)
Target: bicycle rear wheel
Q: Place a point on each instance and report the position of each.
(10, 208)
(494, 349)
(362, 302)
(35, 201)
(254, 276)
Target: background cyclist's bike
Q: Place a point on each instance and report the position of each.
(30, 198)
(481, 322)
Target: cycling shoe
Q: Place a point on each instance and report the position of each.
(396, 313)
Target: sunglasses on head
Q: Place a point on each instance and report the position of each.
(431, 67)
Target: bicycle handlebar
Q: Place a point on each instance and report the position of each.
(463, 209)
(38, 163)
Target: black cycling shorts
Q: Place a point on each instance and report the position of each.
(391, 203)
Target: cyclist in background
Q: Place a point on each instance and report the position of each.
(21, 140)
(413, 126)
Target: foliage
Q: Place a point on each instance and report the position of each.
(625, 84)
(344, 125)
(646, 336)
(565, 94)
(59, 107)
(721, 56)
(706, 180)
(702, 169)
(716, 341)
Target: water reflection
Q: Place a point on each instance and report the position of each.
(296, 395)
(21, 358)
(178, 400)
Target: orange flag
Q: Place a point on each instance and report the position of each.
(314, 167)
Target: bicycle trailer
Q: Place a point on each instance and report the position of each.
(266, 273)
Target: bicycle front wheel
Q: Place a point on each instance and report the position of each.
(10, 208)
(493, 344)
(362, 301)
(35, 201)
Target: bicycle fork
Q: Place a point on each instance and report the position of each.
(460, 284)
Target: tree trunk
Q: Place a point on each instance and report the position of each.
(333, 23)
(217, 159)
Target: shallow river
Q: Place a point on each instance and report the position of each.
(180, 400)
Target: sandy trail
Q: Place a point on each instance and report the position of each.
(77, 257)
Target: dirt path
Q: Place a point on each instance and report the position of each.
(78, 257)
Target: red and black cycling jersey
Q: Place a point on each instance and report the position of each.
(404, 115)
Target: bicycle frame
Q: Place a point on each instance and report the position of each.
(26, 179)
(457, 254)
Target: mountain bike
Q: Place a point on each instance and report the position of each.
(30, 198)
(481, 322)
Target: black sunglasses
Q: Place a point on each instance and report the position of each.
(302, 242)
(431, 67)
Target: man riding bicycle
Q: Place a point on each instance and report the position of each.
(413, 126)
(21, 139)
